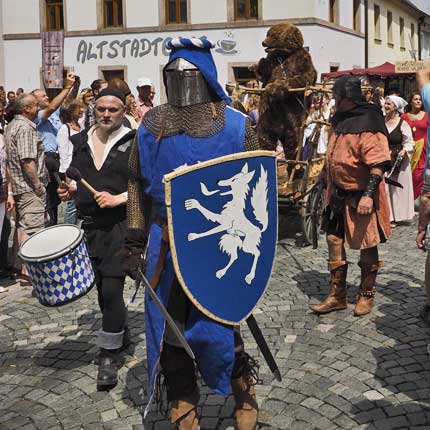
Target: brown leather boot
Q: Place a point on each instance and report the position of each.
(246, 403)
(183, 413)
(367, 290)
(336, 300)
(181, 386)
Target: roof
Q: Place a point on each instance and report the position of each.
(384, 70)
(421, 6)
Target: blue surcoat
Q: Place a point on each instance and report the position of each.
(211, 341)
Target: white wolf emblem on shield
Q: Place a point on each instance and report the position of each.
(222, 216)
(240, 232)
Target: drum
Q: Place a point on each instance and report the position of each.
(58, 264)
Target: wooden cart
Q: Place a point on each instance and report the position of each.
(302, 193)
(298, 186)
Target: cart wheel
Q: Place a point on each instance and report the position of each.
(312, 216)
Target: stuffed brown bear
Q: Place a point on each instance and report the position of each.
(287, 65)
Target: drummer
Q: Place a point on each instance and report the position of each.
(101, 155)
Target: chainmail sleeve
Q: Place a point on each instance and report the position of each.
(136, 197)
(251, 140)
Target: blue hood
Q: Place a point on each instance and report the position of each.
(197, 52)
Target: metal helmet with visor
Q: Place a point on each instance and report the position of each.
(185, 84)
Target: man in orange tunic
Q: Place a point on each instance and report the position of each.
(356, 211)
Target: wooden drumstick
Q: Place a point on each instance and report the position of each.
(75, 174)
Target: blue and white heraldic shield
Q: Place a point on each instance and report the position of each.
(223, 223)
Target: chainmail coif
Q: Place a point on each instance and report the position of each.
(201, 120)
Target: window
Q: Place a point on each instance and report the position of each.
(176, 11)
(402, 33)
(357, 15)
(115, 72)
(334, 11)
(377, 21)
(334, 69)
(243, 75)
(390, 28)
(54, 15)
(412, 32)
(112, 13)
(245, 9)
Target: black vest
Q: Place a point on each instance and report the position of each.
(112, 177)
(395, 141)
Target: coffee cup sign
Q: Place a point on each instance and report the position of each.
(226, 45)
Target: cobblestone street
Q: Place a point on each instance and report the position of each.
(339, 371)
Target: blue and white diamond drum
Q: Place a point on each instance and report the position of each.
(58, 264)
(223, 222)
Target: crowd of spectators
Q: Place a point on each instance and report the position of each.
(36, 131)
(36, 149)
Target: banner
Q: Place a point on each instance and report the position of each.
(53, 59)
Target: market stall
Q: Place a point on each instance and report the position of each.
(380, 76)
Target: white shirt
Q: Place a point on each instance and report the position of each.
(112, 140)
(65, 146)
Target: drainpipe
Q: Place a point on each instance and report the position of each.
(366, 34)
(420, 23)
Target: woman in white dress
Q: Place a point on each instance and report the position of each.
(401, 142)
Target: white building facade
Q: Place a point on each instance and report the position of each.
(395, 31)
(108, 38)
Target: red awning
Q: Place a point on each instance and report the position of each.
(386, 69)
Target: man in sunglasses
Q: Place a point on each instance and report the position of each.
(101, 155)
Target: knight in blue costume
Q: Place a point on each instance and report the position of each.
(197, 124)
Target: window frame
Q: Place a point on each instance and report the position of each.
(115, 13)
(390, 40)
(377, 21)
(178, 13)
(57, 6)
(247, 11)
(333, 11)
(356, 15)
(402, 33)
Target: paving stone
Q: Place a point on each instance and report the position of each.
(339, 372)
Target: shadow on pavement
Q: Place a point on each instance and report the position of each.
(78, 345)
(401, 384)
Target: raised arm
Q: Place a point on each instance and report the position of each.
(422, 77)
(57, 101)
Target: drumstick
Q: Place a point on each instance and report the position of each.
(75, 174)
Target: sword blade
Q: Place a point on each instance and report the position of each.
(264, 348)
(390, 181)
(166, 315)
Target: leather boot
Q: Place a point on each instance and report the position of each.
(183, 413)
(367, 290)
(107, 376)
(246, 411)
(181, 386)
(336, 300)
